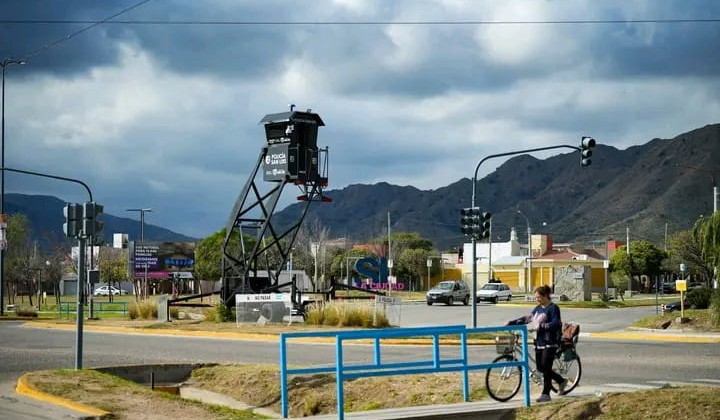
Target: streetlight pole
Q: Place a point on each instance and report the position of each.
(429, 265)
(5, 63)
(142, 240)
(530, 255)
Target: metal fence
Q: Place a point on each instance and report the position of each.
(434, 364)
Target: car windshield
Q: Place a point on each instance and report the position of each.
(490, 287)
(444, 286)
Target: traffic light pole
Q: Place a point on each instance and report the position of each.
(82, 274)
(80, 310)
(472, 204)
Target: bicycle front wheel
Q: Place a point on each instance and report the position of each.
(502, 383)
(570, 370)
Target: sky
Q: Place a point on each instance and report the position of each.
(159, 107)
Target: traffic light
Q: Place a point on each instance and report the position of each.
(73, 216)
(586, 143)
(475, 223)
(468, 220)
(484, 225)
(91, 223)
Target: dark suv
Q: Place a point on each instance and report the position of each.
(448, 292)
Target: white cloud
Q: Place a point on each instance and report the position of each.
(167, 117)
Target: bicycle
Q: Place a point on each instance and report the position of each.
(503, 383)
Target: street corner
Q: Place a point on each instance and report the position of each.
(25, 387)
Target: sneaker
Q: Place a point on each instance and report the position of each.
(562, 386)
(543, 398)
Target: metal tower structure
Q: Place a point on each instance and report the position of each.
(255, 250)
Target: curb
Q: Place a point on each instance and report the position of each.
(243, 336)
(648, 335)
(656, 337)
(24, 387)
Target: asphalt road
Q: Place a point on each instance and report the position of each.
(590, 320)
(604, 361)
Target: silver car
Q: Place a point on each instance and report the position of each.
(493, 292)
(448, 292)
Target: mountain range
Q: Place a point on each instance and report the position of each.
(654, 189)
(46, 220)
(662, 186)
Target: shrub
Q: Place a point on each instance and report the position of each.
(345, 315)
(699, 298)
(174, 312)
(715, 307)
(220, 313)
(145, 309)
(314, 314)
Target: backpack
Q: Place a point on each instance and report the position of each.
(570, 335)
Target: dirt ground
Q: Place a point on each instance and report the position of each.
(125, 399)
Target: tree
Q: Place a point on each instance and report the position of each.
(113, 264)
(54, 272)
(413, 261)
(18, 256)
(343, 263)
(208, 254)
(706, 232)
(645, 259)
(685, 248)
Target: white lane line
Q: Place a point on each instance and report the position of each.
(712, 381)
(632, 386)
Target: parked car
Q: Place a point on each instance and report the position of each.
(675, 306)
(448, 292)
(493, 292)
(669, 287)
(107, 290)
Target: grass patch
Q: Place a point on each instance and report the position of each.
(126, 399)
(681, 403)
(259, 385)
(700, 320)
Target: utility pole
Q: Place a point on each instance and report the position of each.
(627, 248)
(389, 253)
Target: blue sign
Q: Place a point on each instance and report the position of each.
(376, 270)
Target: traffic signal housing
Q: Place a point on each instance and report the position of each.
(73, 220)
(475, 223)
(586, 143)
(485, 225)
(91, 224)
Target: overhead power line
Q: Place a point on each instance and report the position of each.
(78, 32)
(349, 23)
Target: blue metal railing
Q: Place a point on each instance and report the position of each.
(67, 308)
(436, 364)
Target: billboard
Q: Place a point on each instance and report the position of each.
(161, 259)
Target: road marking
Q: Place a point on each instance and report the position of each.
(632, 386)
(712, 381)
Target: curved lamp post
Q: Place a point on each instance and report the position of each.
(4, 64)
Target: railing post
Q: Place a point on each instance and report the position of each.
(339, 377)
(526, 366)
(283, 377)
(464, 356)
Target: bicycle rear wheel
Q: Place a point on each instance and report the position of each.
(570, 370)
(502, 383)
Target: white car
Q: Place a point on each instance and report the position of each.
(106, 290)
(493, 292)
